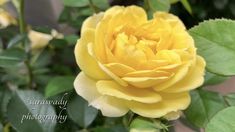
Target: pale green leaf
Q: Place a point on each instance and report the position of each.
(159, 5)
(230, 99)
(223, 121)
(215, 41)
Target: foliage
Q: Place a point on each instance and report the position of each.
(47, 74)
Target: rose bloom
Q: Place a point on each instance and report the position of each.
(40, 40)
(6, 19)
(131, 63)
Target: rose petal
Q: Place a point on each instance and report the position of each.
(119, 69)
(145, 82)
(86, 87)
(86, 62)
(109, 106)
(192, 80)
(128, 93)
(169, 103)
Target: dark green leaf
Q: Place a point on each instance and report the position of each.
(223, 121)
(23, 108)
(45, 30)
(64, 15)
(79, 111)
(16, 40)
(214, 40)
(11, 57)
(59, 85)
(58, 43)
(204, 105)
(71, 39)
(213, 79)
(76, 3)
(5, 96)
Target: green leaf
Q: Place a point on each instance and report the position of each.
(5, 96)
(213, 79)
(142, 125)
(71, 39)
(23, 108)
(58, 43)
(204, 105)
(101, 4)
(59, 85)
(76, 3)
(223, 121)
(46, 30)
(215, 41)
(79, 111)
(230, 99)
(159, 5)
(11, 57)
(16, 40)
(187, 6)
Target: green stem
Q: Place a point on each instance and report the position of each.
(21, 17)
(146, 5)
(22, 27)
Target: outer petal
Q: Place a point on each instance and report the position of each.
(85, 87)
(111, 88)
(172, 19)
(169, 103)
(86, 62)
(91, 22)
(109, 106)
(193, 79)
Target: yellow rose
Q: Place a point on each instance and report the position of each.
(6, 19)
(131, 63)
(40, 40)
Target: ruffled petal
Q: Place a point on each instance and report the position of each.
(84, 60)
(169, 103)
(111, 88)
(192, 80)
